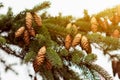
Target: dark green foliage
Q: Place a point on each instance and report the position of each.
(86, 73)
(90, 58)
(77, 56)
(30, 55)
(101, 71)
(47, 74)
(2, 40)
(56, 29)
(108, 43)
(96, 75)
(6, 21)
(54, 58)
(83, 26)
(40, 39)
(68, 74)
(64, 52)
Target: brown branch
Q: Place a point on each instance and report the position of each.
(101, 71)
(106, 51)
(10, 51)
(8, 67)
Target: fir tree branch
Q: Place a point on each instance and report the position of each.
(55, 29)
(9, 51)
(101, 71)
(44, 5)
(106, 51)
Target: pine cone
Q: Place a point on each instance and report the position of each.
(118, 68)
(48, 65)
(75, 29)
(20, 31)
(68, 41)
(94, 21)
(37, 19)
(35, 78)
(28, 20)
(114, 66)
(116, 18)
(69, 25)
(32, 31)
(85, 45)
(76, 39)
(26, 37)
(94, 28)
(39, 58)
(116, 33)
(72, 27)
(103, 24)
(111, 18)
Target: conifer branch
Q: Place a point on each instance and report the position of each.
(44, 5)
(55, 29)
(101, 71)
(9, 51)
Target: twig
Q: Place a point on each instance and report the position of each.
(105, 51)
(8, 66)
(9, 51)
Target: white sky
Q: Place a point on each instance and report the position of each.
(67, 7)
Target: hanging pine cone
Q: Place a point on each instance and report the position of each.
(69, 25)
(116, 33)
(85, 45)
(74, 28)
(76, 40)
(26, 37)
(35, 78)
(32, 31)
(111, 18)
(39, 58)
(103, 24)
(68, 41)
(116, 18)
(118, 68)
(28, 19)
(94, 21)
(94, 28)
(20, 31)
(37, 19)
(48, 65)
(114, 66)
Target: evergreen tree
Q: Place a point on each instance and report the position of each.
(50, 43)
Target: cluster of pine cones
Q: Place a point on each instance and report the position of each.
(105, 25)
(27, 31)
(78, 39)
